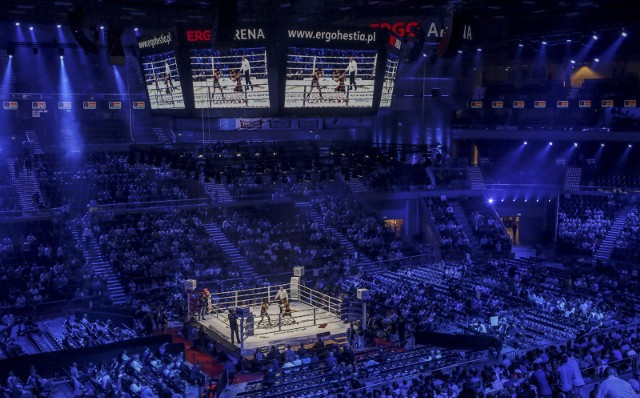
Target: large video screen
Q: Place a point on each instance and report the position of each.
(163, 80)
(329, 78)
(234, 78)
(389, 81)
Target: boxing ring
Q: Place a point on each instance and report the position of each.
(312, 313)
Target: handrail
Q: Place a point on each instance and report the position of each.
(618, 327)
(52, 305)
(595, 368)
(384, 382)
(150, 204)
(6, 214)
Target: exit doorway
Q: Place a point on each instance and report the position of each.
(512, 224)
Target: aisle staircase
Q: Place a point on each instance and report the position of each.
(238, 262)
(572, 178)
(72, 143)
(34, 142)
(606, 247)
(27, 186)
(369, 266)
(356, 185)
(461, 218)
(478, 93)
(93, 256)
(476, 180)
(163, 137)
(12, 168)
(217, 192)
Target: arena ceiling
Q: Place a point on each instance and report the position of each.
(502, 20)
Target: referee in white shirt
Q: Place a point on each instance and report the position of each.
(352, 70)
(246, 69)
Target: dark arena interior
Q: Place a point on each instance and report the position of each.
(320, 198)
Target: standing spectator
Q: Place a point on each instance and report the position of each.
(539, 379)
(566, 374)
(578, 380)
(75, 378)
(615, 387)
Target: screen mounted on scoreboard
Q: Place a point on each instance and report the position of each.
(389, 80)
(161, 71)
(230, 78)
(163, 81)
(329, 78)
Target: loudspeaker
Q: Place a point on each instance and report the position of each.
(363, 294)
(227, 17)
(459, 33)
(414, 48)
(298, 271)
(76, 23)
(114, 47)
(190, 284)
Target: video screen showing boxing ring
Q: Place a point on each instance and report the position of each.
(233, 78)
(330, 78)
(163, 81)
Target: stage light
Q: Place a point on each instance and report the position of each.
(459, 51)
(568, 40)
(623, 34)
(479, 49)
(135, 29)
(550, 142)
(596, 59)
(101, 27)
(573, 61)
(544, 42)
(17, 23)
(595, 37)
(575, 144)
(520, 45)
(424, 55)
(526, 200)
(502, 200)
(490, 201)
(602, 145)
(630, 146)
(537, 200)
(525, 143)
(30, 27)
(58, 26)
